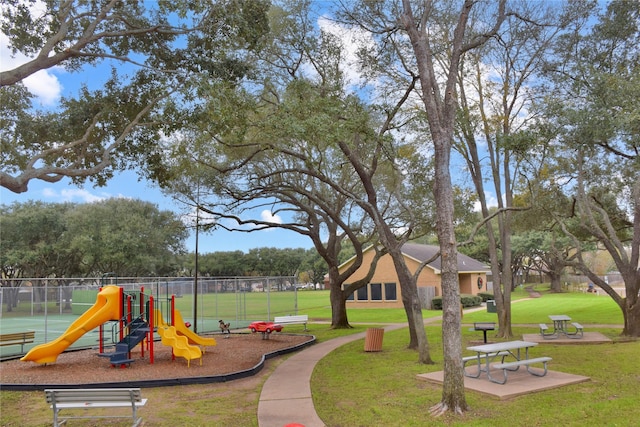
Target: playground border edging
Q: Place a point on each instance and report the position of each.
(168, 382)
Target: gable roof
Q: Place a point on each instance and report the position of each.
(421, 253)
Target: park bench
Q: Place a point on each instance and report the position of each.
(543, 331)
(16, 338)
(85, 399)
(300, 319)
(524, 362)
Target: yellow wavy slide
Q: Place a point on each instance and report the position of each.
(191, 336)
(106, 308)
(180, 344)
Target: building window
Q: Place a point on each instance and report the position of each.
(376, 291)
(390, 292)
(350, 296)
(363, 294)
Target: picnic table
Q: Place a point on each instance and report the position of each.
(561, 326)
(486, 353)
(560, 322)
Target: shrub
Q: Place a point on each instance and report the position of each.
(466, 301)
(470, 300)
(485, 296)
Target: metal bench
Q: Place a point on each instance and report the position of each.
(543, 331)
(524, 362)
(85, 399)
(16, 338)
(578, 332)
(470, 358)
(300, 319)
(466, 359)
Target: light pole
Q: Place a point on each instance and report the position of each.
(195, 278)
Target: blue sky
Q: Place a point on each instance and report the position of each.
(127, 185)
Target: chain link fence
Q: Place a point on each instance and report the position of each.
(48, 306)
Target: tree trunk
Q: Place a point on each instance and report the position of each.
(11, 296)
(38, 293)
(410, 299)
(631, 312)
(556, 283)
(407, 302)
(503, 309)
(631, 276)
(441, 106)
(453, 396)
(339, 318)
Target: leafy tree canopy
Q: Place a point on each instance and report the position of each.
(156, 52)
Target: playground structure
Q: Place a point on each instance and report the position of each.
(129, 320)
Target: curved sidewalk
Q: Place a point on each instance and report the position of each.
(286, 395)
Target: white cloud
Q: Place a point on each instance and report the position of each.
(352, 40)
(43, 84)
(203, 218)
(492, 202)
(73, 195)
(267, 216)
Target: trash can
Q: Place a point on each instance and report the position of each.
(491, 306)
(373, 339)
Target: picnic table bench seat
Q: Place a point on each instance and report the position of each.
(18, 338)
(502, 354)
(86, 399)
(543, 331)
(479, 360)
(524, 362)
(292, 319)
(578, 332)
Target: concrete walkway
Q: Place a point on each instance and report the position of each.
(286, 395)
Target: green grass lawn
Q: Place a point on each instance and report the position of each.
(345, 395)
(581, 307)
(355, 388)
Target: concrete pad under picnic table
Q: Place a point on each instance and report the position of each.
(518, 383)
(588, 338)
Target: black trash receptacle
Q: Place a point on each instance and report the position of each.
(491, 306)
